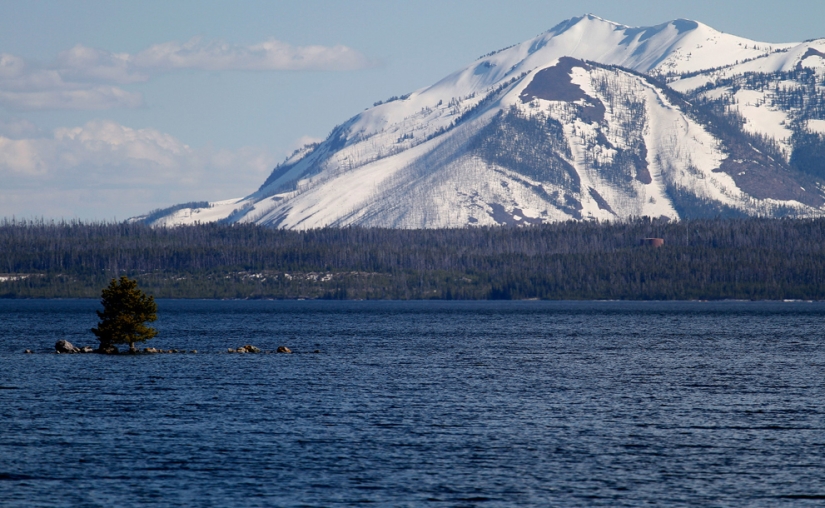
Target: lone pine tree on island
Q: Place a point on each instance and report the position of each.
(126, 309)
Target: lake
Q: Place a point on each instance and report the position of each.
(419, 404)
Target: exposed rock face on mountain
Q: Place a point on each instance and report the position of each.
(590, 120)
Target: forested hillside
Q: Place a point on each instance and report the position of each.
(707, 259)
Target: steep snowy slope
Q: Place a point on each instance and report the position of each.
(779, 97)
(541, 132)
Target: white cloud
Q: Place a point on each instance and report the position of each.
(271, 55)
(25, 86)
(11, 66)
(144, 168)
(82, 63)
(91, 98)
(84, 77)
(24, 156)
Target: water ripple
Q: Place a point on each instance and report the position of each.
(409, 404)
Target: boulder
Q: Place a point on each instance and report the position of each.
(107, 350)
(284, 349)
(87, 349)
(249, 348)
(64, 346)
(28, 351)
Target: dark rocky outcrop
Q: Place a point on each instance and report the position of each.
(151, 350)
(107, 350)
(249, 348)
(283, 349)
(65, 347)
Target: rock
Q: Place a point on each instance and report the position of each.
(64, 346)
(107, 350)
(87, 349)
(28, 351)
(230, 350)
(194, 351)
(317, 351)
(284, 349)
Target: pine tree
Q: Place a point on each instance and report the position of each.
(126, 309)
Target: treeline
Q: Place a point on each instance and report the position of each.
(701, 259)
(803, 100)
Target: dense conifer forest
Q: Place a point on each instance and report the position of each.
(701, 259)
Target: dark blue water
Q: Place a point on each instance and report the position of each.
(423, 403)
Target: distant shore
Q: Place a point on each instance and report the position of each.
(708, 259)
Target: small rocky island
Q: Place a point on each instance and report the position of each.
(65, 347)
(126, 309)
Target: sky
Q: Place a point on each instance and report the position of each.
(111, 109)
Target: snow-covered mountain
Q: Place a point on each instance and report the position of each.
(590, 120)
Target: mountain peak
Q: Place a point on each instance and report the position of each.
(583, 22)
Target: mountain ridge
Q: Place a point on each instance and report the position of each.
(590, 120)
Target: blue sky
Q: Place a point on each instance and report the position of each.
(111, 109)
